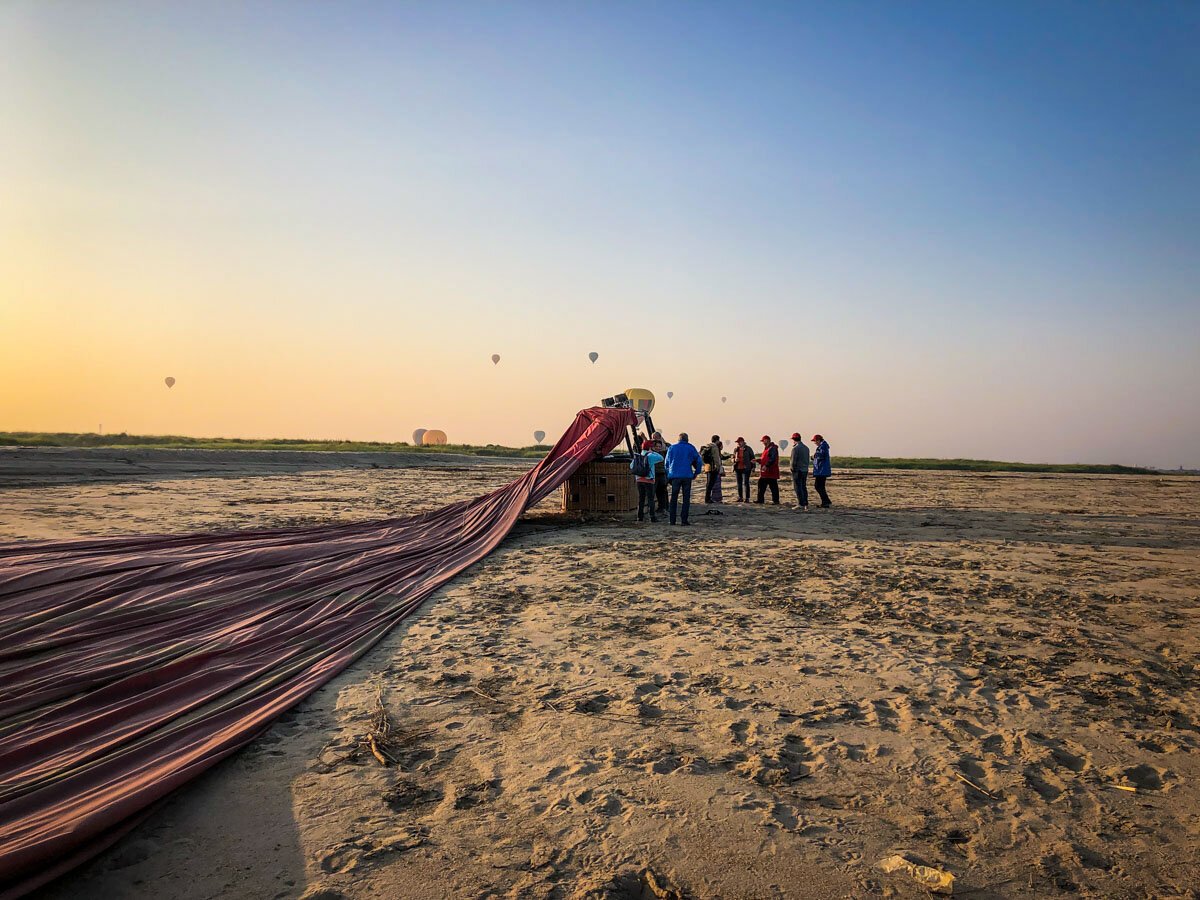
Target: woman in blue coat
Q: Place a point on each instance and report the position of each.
(822, 468)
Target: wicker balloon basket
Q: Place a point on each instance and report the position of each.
(601, 486)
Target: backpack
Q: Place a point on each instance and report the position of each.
(640, 466)
(706, 455)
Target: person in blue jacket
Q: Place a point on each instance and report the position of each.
(822, 468)
(683, 465)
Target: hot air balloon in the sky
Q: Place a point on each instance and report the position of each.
(169, 381)
(417, 435)
(593, 356)
(642, 399)
(783, 444)
(495, 359)
(723, 399)
(539, 436)
(433, 438)
(670, 394)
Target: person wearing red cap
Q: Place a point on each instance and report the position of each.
(743, 466)
(768, 476)
(643, 466)
(800, 471)
(822, 469)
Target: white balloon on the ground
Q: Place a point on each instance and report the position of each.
(417, 435)
(433, 438)
(593, 356)
(670, 394)
(783, 444)
(539, 436)
(169, 381)
(495, 358)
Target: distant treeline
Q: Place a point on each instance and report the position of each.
(983, 465)
(177, 442)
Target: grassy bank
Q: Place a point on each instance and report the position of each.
(177, 442)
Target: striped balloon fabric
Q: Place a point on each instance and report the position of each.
(130, 665)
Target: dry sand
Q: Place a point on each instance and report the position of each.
(991, 674)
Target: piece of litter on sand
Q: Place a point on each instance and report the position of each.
(1123, 787)
(931, 879)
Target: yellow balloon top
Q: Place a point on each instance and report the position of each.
(642, 399)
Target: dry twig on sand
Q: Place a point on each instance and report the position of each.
(965, 780)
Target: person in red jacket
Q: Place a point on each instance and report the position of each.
(768, 475)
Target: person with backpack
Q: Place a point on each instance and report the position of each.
(743, 467)
(800, 458)
(660, 471)
(768, 476)
(710, 456)
(683, 465)
(822, 469)
(642, 468)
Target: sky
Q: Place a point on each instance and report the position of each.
(923, 229)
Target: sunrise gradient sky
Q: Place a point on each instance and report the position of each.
(934, 229)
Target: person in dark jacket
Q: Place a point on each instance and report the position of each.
(660, 471)
(683, 465)
(743, 466)
(822, 469)
(710, 456)
(768, 476)
(800, 458)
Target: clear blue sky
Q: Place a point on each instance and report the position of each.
(933, 229)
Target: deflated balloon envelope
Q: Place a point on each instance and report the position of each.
(433, 438)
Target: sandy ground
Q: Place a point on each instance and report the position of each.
(994, 675)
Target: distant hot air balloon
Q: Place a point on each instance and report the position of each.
(170, 382)
(539, 436)
(495, 359)
(723, 399)
(593, 356)
(783, 444)
(642, 399)
(433, 438)
(417, 435)
(670, 394)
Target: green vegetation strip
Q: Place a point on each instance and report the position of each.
(177, 442)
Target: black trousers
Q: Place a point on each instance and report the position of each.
(684, 485)
(743, 481)
(660, 490)
(710, 482)
(773, 484)
(819, 482)
(646, 500)
(800, 483)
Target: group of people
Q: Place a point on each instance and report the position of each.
(661, 469)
